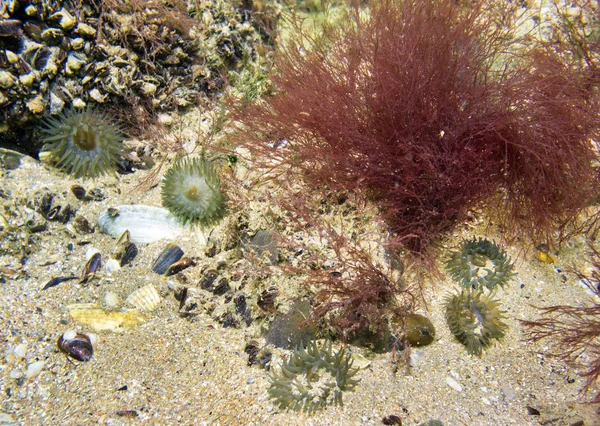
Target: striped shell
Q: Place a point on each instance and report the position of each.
(145, 298)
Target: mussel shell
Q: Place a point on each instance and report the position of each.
(92, 265)
(10, 28)
(129, 253)
(82, 225)
(56, 281)
(78, 191)
(79, 347)
(207, 282)
(179, 266)
(222, 287)
(266, 299)
(60, 213)
(170, 255)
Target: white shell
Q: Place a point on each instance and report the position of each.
(20, 350)
(34, 369)
(146, 224)
(111, 300)
(112, 265)
(145, 298)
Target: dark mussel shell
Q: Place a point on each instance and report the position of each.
(130, 253)
(266, 299)
(92, 265)
(170, 255)
(179, 266)
(79, 347)
(82, 225)
(56, 281)
(78, 191)
(126, 251)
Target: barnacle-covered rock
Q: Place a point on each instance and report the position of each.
(479, 264)
(54, 54)
(313, 377)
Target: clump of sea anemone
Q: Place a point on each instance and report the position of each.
(479, 264)
(85, 144)
(312, 378)
(475, 319)
(191, 192)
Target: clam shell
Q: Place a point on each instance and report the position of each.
(145, 298)
(92, 315)
(145, 224)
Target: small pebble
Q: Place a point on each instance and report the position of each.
(453, 384)
(250, 381)
(34, 369)
(20, 350)
(415, 356)
(6, 419)
(165, 119)
(111, 300)
(112, 265)
(509, 394)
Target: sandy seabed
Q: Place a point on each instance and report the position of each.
(180, 371)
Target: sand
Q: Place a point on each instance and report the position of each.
(193, 371)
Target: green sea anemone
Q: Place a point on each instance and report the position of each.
(191, 192)
(475, 319)
(84, 143)
(476, 256)
(312, 378)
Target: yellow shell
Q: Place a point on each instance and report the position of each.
(93, 316)
(145, 298)
(545, 257)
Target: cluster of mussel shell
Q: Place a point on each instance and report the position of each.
(60, 54)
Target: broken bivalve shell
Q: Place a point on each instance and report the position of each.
(179, 266)
(93, 264)
(169, 256)
(145, 298)
(125, 253)
(78, 346)
(91, 315)
(145, 224)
